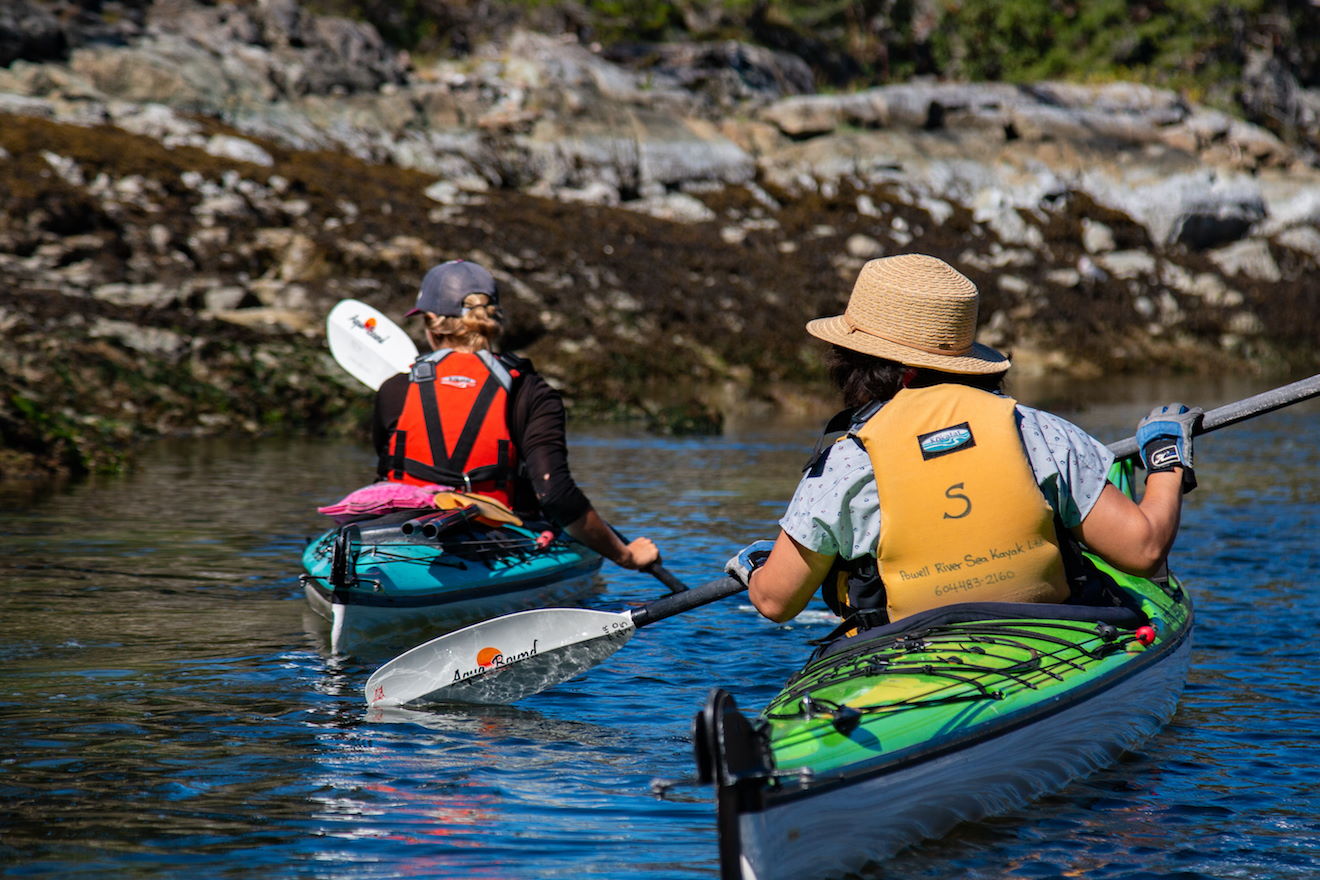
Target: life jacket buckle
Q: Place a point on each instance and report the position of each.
(869, 618)
(423, 371)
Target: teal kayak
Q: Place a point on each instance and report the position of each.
(405, 577)
(898, 733)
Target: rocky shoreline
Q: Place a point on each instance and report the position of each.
(182, 204)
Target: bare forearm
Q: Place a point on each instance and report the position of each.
(593, 531)
(1161, 504)
(1133, 537)
(783, 586)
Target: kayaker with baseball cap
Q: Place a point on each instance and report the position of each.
(935, 488)
(470, 419)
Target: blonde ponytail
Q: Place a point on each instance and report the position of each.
(480, 325)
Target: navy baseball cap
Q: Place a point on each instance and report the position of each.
(446, 286)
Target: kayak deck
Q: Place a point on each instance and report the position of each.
(371, 579)
(957, 713)
(929, 686)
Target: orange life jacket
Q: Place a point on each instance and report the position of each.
(961, 516)
(454, 430)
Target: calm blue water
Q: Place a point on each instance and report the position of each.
(167, 708)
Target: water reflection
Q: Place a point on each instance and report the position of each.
(167, 711)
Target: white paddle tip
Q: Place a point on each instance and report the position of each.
(500, 660)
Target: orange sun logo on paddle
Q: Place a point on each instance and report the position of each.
(488, 657)
(370, 324)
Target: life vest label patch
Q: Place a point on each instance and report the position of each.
(946, 440)
(458, 381)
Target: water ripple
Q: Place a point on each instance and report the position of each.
(168, 709)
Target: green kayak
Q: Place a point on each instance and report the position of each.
(898, 733)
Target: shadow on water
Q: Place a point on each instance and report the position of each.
(169, 709)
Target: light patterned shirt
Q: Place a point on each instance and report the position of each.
(838, 512)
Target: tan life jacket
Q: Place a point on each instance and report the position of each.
(961, 516)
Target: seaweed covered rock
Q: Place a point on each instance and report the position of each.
(183, 200)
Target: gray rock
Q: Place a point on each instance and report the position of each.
(1014, 284)
(29, 31)
(230, 147)
(1305, 239)
(1270, 90)
(1121, 111)
(726, 73)
(1097, 238)
(1042, 122)
(1246, 324)
(225, 205)
(1251, 258)
(596, 192)
(805, 116)
(678, 207)
(153, 341)
(66, 168)
(21, 105)
(1089, 272)
(733, 235)
(863, 247)
(1200, 210)
(1127, 264)
(1064, 277)
(218, 299)
(1293, 200)
(994, 208)
(938, 209)
(1126, 98)
(540, 61)
(156, 121)
(650, 148)
(155, 296)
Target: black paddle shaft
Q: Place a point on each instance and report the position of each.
(1232, 413)
(664, 576)
(657, 571)
(668, 606)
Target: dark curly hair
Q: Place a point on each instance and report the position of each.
(863, 378)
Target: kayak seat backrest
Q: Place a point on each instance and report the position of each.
(965, 612)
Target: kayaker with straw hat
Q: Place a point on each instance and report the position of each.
(934, 488)
(466, 418)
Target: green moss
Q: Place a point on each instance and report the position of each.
(1170, 42)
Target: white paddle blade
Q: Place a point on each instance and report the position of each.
(501, 660)
(367, 344)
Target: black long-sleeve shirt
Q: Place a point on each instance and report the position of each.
(536, 420)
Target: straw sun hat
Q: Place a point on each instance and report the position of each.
(916, 310)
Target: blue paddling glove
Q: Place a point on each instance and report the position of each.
(1165, 440)
(748, 560)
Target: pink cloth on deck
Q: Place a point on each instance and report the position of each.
(380, 498)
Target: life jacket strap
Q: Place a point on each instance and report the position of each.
(475, 420)
(858, 620)
(497, 369)
(398, 459)
(491, 473)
